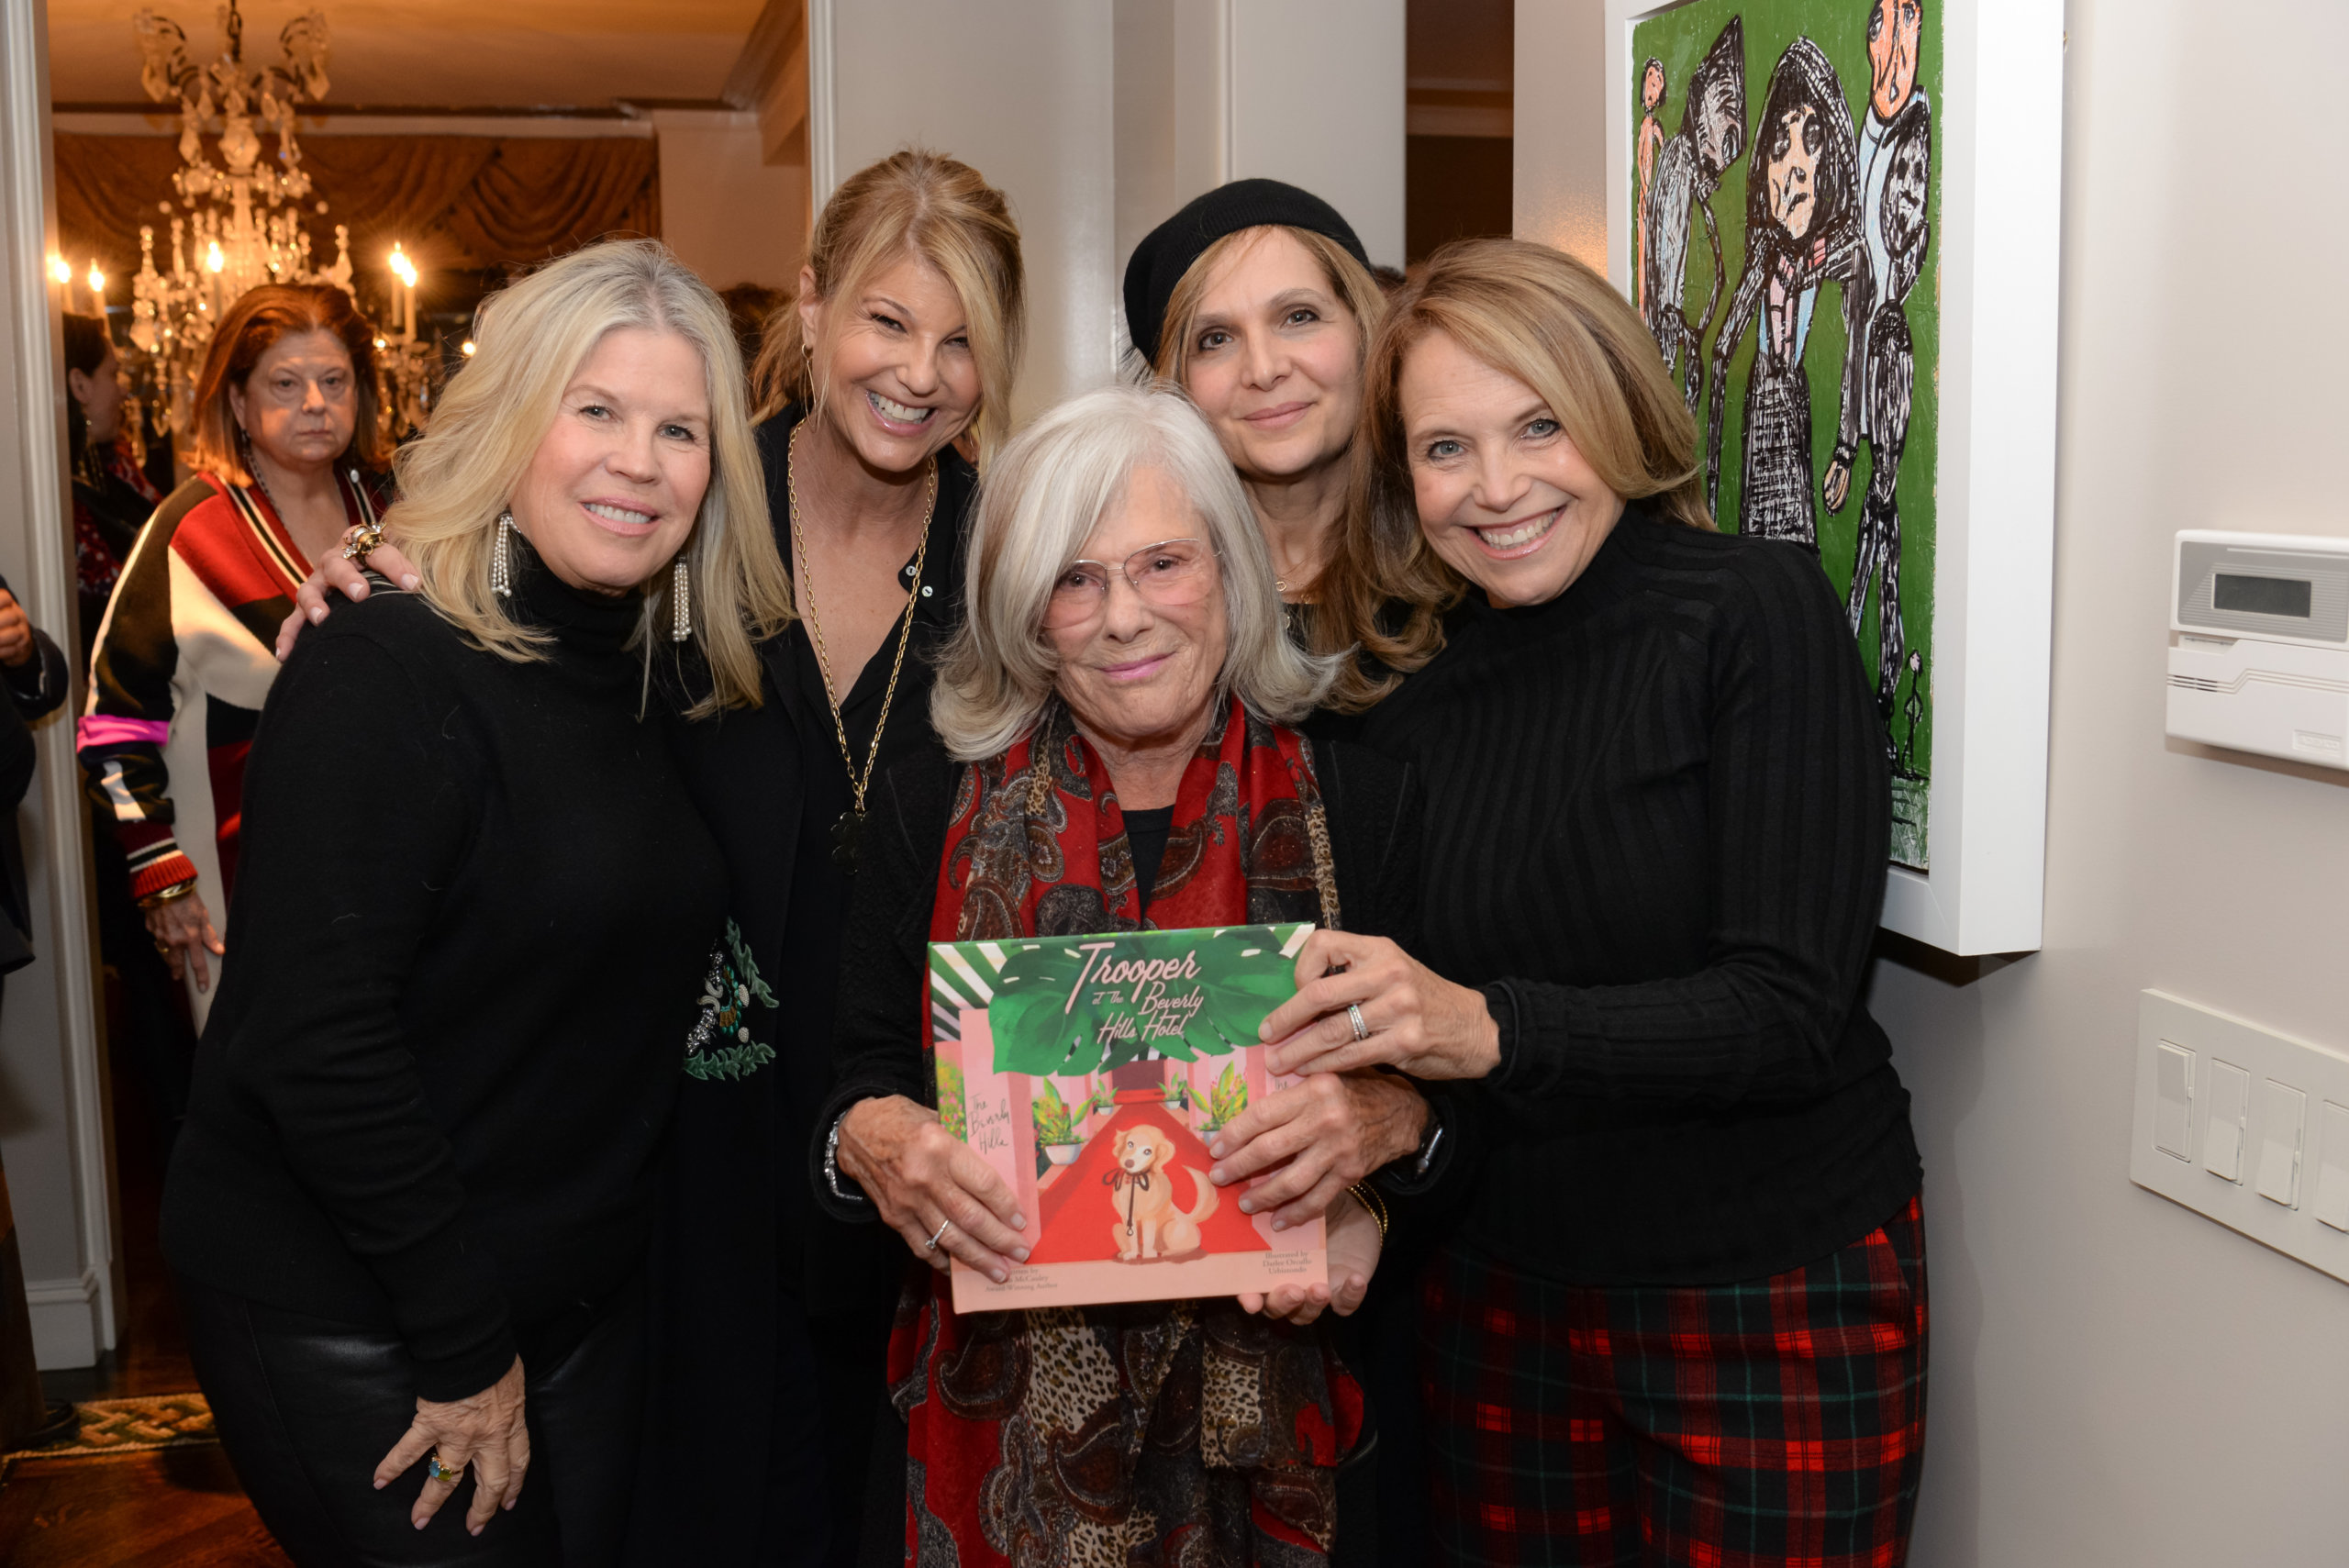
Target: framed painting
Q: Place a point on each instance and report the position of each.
(1841, 220)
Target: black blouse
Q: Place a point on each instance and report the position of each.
(1658, 815)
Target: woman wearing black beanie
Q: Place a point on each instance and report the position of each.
(1257, 298)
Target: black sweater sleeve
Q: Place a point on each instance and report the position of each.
(357, 813)
(1797, 799)
(877, 1021)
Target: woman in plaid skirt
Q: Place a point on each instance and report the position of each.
(1682, 1319)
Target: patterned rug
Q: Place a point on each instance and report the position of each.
(132, 1426)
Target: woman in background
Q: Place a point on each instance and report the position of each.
(286, 441)
(1691, 1273)
(113, 498)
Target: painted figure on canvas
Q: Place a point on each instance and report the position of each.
(1802, 228)
(1689, 170)
(1811, 349)
(1652, 94)
(1895, 175)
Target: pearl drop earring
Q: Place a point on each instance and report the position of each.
(501, 573)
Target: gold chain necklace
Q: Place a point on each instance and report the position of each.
(850, 829)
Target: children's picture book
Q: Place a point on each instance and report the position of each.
(1092, 1071)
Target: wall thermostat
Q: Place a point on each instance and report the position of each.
(2259, 650)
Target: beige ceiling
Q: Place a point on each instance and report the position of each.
(433, 53)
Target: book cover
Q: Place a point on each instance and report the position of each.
(1090, 1072)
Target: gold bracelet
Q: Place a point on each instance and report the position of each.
(1372, 1205)
(164, 896)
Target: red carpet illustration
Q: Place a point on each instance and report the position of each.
(1077, 1216)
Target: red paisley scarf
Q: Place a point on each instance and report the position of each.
(1184, 1431)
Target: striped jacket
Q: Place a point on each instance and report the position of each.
(184, 661)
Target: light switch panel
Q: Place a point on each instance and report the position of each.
(2283, 1118)
(2222, 1140)
(2331, 1202)
(2244, 1126)
(2174, 1100)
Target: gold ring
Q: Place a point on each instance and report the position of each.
(437, 1471)
(359, 540)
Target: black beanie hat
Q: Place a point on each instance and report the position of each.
(1159, 262)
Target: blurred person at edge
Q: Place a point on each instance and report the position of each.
(287, 457)
(772, 1318)
(112, 497)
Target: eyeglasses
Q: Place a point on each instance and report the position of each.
(1169, 576)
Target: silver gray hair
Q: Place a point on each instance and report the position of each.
(1044, 496)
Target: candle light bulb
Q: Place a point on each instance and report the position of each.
(97, 278)
(60, 269)
(213, 259)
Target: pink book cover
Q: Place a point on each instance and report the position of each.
(1091, 1072)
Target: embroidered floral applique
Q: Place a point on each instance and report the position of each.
(721, 1044)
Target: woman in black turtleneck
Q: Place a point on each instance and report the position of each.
(1683, 1316)
(409, 1207)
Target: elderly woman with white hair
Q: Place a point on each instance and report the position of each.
(1118, 719)
(410, 1206)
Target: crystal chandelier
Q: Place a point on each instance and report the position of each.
(240, 218)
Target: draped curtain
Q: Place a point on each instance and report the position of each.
(454, 202)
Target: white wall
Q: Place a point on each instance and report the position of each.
(52, 1122)
(1317, 100)
(728, 214)
(1023, 91)
(1099, 120)
(2117, 1381)
(1559, 191)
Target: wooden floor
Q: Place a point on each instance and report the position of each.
(180, 1506)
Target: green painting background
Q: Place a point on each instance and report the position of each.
(1679, 38)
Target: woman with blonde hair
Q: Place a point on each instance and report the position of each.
(1119, 748)
(410, 1205)
(1657, 838)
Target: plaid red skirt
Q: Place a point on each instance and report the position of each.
(1779, 1421)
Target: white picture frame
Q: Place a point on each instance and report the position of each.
(2002, 218)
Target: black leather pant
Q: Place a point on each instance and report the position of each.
(307, 1407)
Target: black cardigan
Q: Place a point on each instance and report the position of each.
(474, 909)
(1375, 814)
(768, 780)
(1658, 818)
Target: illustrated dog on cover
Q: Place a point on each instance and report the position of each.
(1141, 1191)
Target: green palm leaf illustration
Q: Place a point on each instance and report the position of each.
(1049, 1013)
